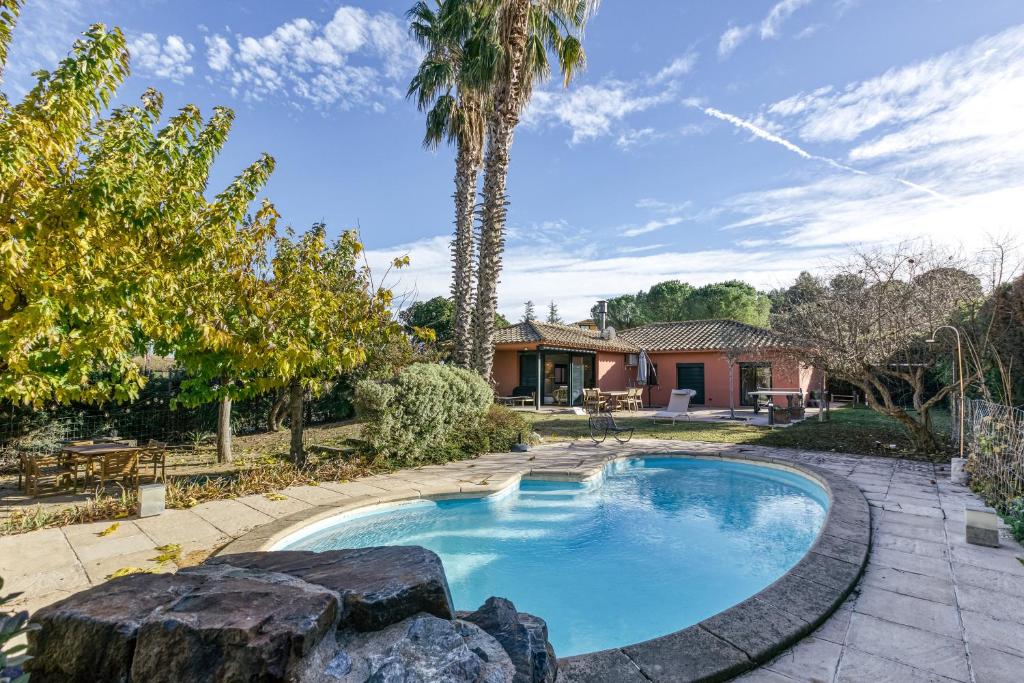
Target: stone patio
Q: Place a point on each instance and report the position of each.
(929, 607)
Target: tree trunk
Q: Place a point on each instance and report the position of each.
(276, 414)
(732, 398)
(508, 102)
(298, 455)
(467, 169)
(224, 453)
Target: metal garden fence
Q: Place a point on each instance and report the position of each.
(994, 441)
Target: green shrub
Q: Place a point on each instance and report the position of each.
(416, 416)
(1015, 518)
(495, 432)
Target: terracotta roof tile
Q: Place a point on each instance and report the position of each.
(569, 336)
(700, 335)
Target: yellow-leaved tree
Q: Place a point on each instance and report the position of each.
(105, 225)
(323, 316)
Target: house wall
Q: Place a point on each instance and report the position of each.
(787, 373)
(610, 371)
(505, 371)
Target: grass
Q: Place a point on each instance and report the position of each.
(851, 430)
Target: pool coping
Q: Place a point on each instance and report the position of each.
(715, 649)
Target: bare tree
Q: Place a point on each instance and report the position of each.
(868, 323)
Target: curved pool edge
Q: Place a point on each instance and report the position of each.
(717, 648)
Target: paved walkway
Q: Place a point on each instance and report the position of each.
(929, 608)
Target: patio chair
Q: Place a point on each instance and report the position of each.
(602, 423)
(592, 400)
(122, 466)
(678, 406)
(45, 472)
(154, 454)
(635, 398)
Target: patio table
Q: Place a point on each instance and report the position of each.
(89, 454)
(616, 397)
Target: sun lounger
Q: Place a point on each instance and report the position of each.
(678, 406)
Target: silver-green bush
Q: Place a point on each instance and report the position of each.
(414, 416)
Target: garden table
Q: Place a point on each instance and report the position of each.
(616, 397)
(91, 454)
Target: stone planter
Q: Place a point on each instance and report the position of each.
(781, 416)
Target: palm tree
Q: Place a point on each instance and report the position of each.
(525, 31)
(456, 110)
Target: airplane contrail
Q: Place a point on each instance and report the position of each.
(768, 136)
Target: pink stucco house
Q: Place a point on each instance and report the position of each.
(562, 360)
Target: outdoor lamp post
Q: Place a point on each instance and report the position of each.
(960, 376)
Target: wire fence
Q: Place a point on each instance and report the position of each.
(994, 441)
(151, 417)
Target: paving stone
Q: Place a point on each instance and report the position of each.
(905, 518)
(273, 507)
(993, 666)
(756, 627)
(909, 531)
(914, 546)
(829, 571)
(835, 628)
(314, 495)
(839, 548)
(182, 527)
(763, 675)
(910, 611)
(987, 578)
(907, 583)
(1005, 636)
(39, 563)
(857, 667)
(999, 559)
(811, 659)
(352, 488)
(90, 546)
(806, 600)
(231, 517)
(910, 646)
(929, 566)
(609, 666)
(690, 654)
(986, 601)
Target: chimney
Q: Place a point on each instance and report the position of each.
(602, 311)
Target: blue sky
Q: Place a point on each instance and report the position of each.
(705, 141)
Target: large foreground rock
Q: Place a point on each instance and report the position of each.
(423, 649)
(382, 615)
(378, 586)
(523, 636)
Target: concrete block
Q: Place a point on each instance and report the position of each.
(982, 525)
(152, 499)
(957, 474)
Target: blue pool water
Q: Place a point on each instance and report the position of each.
(655, 545)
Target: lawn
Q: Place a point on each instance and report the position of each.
(851, 430)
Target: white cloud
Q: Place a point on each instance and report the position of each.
(590, 111)
(218, 52)
(947, 130)
(731, 39)
(357, 58)
(539, 273)
(680, 66)
(651, 226)
(777, 15)
(43, 36)
(170, 59)
(637, 137)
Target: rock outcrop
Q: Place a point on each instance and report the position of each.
(376, 614)
(523, 636)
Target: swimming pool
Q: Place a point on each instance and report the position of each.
(650, 547)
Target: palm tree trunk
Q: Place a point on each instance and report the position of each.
(467, 169)
(508, 101)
